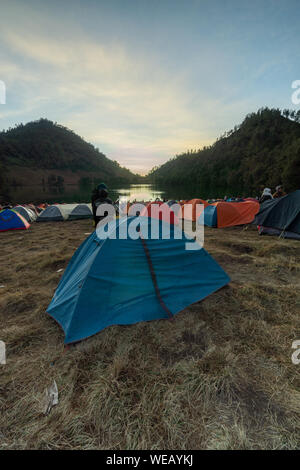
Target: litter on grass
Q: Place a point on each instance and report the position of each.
(51, 398)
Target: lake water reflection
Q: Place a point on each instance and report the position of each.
(82, 193)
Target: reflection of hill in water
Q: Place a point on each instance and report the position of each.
(82, 193)
(140, 192)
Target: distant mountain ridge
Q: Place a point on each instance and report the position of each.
(263, 151)
(47, 147)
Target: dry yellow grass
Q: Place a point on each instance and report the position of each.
(219, 377)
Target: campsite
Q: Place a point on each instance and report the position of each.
(219, 375)
(149, 229)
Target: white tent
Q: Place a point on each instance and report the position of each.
(56, 213)
(81, 211)
(28, 214)
(61, 212)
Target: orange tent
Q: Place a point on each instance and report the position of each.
(161, 211)
(250, 199)
(235, 213)
(192, 212)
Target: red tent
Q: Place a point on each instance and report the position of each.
(160, 210)
(191, 211)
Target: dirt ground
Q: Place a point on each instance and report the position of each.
(219, 377)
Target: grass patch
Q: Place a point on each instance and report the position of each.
(219, 377)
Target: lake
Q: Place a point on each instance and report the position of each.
(82, 193)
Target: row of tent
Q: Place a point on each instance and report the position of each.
(20, 217)
(219, 214)
(275, 217)
(279, 217)
(61, 212)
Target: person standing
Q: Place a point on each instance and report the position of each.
(99, 196)
(279, 192)
(266, 195)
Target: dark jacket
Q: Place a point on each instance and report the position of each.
(98, 198)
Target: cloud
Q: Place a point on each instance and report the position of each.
(121, 102)
(128, 104)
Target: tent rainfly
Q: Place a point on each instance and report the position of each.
(117, 281)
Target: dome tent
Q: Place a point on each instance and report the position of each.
(117, 281)
(174, 206)
(160, 210)
(11, 220)
(56, 213)
(192, 209)
(229, 214)
(81, 211)
(280, 216)
(26, 213)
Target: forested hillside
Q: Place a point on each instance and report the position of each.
(44, 145)
(263, 151)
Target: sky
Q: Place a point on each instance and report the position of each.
(144, 80)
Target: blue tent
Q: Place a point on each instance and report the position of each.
(11, 220)
(210, 215)
(125, 281)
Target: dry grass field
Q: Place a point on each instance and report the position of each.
(219, 377)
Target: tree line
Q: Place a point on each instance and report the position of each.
(264, 150)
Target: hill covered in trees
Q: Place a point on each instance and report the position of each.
(263, 151)
(53, 151)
